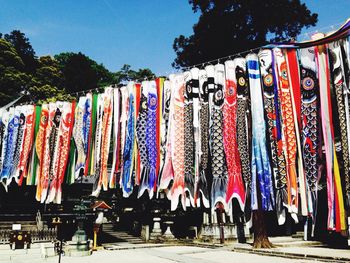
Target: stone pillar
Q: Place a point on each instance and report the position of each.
(145, 235)
(157, 231)
(213, 218)
(205, 218)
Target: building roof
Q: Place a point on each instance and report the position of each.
(100, 205)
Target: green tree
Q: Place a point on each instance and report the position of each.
(49, 72)
(126, 74)
(82, 73)
(144, 73)
(227, 27)
(48, 93)
(53, 78)
(105, 77)
(24, 49)
(48, 82)
(123, 75)
(13, 79)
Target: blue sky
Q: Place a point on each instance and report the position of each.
(117, 32)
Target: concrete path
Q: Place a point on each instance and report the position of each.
(171, 254)
(288, 247)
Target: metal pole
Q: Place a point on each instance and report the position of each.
(239, 220)
(221, 224)
(60, 251)
(95, 240)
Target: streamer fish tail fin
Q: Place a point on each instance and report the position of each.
(203, 188)
(248, 207)
(167, 175)
(218, 192)
(144, 185)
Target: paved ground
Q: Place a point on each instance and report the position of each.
(311, 253)
(131, 249)
(292, 247)
(150, 254)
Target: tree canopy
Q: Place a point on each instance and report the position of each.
(49, 78)
(24, 49)
(126, 74)
(82, 73)
(13, 79)
(231, 26)
(48, 82)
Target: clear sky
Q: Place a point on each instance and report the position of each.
(117, 32)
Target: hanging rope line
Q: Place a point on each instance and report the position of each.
(209, 62)
(175, 135)
(262, 47)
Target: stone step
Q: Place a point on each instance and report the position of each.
(300, 243)
(298, 235)
(135, 241)
(120, 236)
(116, 234)
(286, 241)
(132, 246)
(126, 238)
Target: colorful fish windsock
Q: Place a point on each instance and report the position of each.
(177, 143)
(235, 185)
(288, 139)
(218, 160)
(261, 170)
(203, 183)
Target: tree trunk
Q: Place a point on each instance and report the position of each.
(261, 240)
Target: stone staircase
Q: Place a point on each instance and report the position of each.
(109, 235)
(294, 241)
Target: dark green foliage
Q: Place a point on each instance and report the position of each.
(48, 82)
(52, 78)
(13, 79)
(82, 73)
(126, 74)
(24, 49)
(49, 72)
(230, 26)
